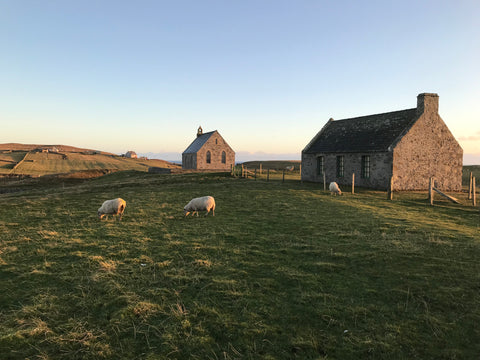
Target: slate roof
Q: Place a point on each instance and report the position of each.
(362, 134)
(198, 143)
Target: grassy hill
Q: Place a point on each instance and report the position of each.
(283, 271)
(31, 147)
(273, 164)
(19, 159)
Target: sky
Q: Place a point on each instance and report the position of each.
(143, 75)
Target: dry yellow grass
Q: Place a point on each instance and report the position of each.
(26, 161)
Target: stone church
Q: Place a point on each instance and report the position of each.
(209, 151)
(409, 146)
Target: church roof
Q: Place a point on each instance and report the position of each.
(198, 143)
(362, 134)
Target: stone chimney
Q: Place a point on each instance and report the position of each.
(199, 131)
(427, 103)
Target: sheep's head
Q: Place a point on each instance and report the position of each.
(100, 215)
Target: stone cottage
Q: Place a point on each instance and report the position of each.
(209, 151)
(131, 155)
(409, 145)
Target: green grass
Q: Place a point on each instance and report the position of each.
(283, 271)
(475, 170)
(273, 164)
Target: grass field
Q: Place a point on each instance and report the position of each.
(39, 164)
(273, 164)
(283, 271)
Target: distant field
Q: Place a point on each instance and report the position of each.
(30, 147)
(283, 271)
(273, 164)
(42, 163)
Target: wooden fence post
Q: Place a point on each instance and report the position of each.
(268, 175)
(283, 176)
(390, 189)
(243, 172)
(474, 193)
(353, 183)
(430, 191)
(255, 174)
(324, 182)
(260, 169)
(470, 187)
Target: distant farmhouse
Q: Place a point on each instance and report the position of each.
(131, 155)
(209, 151)
(409, 145)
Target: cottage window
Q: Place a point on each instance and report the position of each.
(209, 157)
(320, 165)
(366, 166)
(224, 157)
(340, 166)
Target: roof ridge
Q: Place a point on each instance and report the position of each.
(379, 114)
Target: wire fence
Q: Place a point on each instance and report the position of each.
(288, 173)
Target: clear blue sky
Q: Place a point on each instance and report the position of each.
(267, 74)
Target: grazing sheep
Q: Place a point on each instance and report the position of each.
(112, 207)
(334, 189)
(204, 203)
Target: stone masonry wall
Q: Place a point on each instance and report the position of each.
(215, 144)
(380, 169)
(428, 149)
(189, 161)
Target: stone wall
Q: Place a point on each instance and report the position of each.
(428, 150)
(380, 169)
(159, 170)
(189, 161)
(216, 145)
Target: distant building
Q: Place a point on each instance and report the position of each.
(209, 151)
(47, 149)
(409, 145)
(131, 155)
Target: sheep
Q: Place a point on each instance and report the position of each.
(112, 207)
(334, 189)
(204, 203)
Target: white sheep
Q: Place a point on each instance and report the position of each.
(204, 203)
(112, 207)
(334, 189)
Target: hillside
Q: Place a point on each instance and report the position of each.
(38, 160)
(31, 147)
(273, 164)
